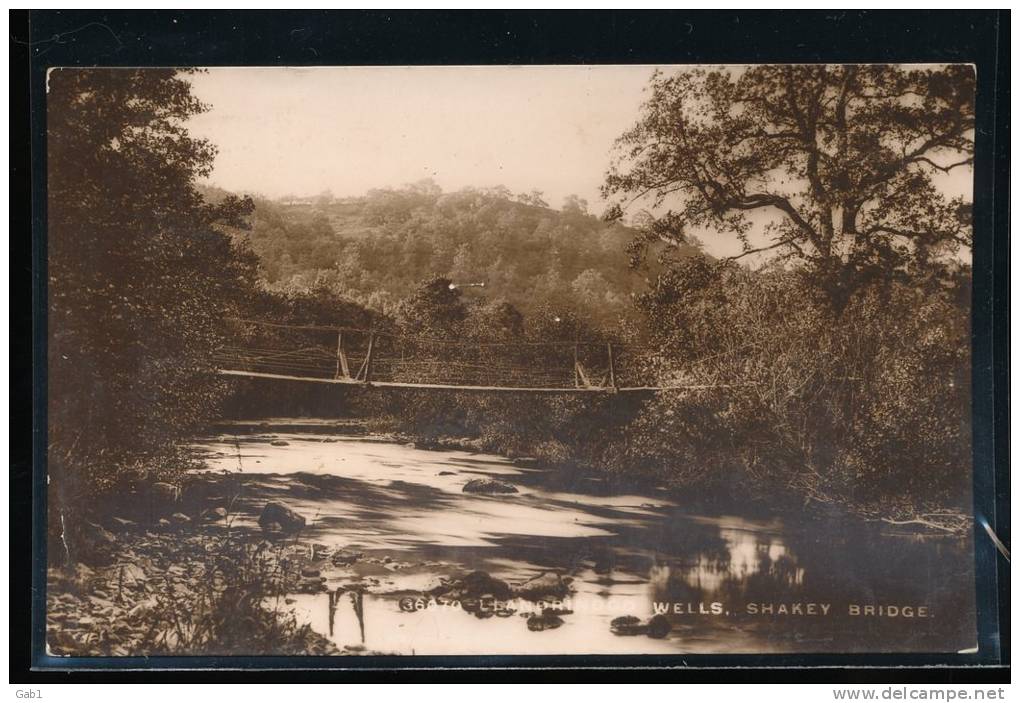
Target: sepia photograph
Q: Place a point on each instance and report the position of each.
(357, 361)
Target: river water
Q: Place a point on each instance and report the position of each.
(732, 581)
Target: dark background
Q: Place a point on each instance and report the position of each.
(40, 39)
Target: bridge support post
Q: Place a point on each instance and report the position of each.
(342, 369)
(368, 357)
(577, 378)
(612, 367)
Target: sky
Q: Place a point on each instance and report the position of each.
(301, 131)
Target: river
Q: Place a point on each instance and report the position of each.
(730, 581)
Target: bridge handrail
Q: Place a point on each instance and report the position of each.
(626, 346)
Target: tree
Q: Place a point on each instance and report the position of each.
(596, 296)
(437, 305)
(498, 319)
(535, 198)
(141, 274)
(842, 159)
(575, 204)
(325, 198)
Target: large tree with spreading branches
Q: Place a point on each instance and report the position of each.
(834, 167)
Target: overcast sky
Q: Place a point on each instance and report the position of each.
(300, 131)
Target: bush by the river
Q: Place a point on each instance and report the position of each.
(866, 404)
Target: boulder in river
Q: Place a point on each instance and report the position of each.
(288, 521)
(280, 443)
(214, 514)
(546, 585)
(480, 583)
(489, 486)
(119, 524)
(180, 519)
(344, 558)
(544, 621)
(659, 627)
(474, 585)
(311, 585)
(272, 530)
(166, 492)
(627, 626)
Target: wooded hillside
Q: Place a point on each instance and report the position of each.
(377, 249)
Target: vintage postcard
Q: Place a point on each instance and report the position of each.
(492, 360)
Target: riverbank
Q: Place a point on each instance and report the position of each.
(903, 513)
(178, 591)
(207, 587)
(906, 513)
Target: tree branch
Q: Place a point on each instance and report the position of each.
(945, 169)
(759, 250)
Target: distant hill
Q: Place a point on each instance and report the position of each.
(376, 249)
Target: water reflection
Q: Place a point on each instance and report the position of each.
(741, 556)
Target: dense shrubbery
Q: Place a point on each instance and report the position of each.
(869, 403)
(201, 592)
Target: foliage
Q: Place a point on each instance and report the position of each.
(141, 275)
(870, 405)
(317, 304)
(234, 604)
(840, 161)
(437, 304)
(199, 592)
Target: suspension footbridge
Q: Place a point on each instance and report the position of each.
(384, 359)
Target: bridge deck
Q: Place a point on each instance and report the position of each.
(440, 386)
